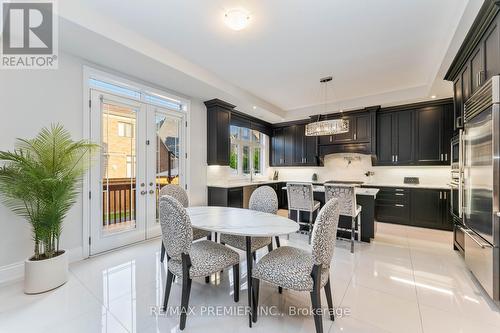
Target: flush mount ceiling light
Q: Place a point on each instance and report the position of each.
(237, 18)
(327, 127)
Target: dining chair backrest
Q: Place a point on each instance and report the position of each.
(300, 196)
(345, 194)
(324, 234)
(176, 229)
(264, 199)
(177, 192)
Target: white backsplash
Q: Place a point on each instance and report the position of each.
(336, 167)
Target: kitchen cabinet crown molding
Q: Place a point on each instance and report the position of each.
(485, 17)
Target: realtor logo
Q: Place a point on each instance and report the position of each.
(29, 39)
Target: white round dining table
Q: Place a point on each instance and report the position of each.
(241, 222)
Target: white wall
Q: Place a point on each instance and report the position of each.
(30, 100)
(337, 168)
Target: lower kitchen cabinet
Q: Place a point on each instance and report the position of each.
(427, 208)
(225, 197)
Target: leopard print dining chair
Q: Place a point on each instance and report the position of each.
(180, 195)
(301, 199)
(188, 260)
(301, 270)
(346, 195)
(263, 199)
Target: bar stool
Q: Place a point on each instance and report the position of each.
(301, 199)
(346, 195)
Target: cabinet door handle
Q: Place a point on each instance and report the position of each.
(331, 138)
(446, 157)
(397, 158)
(355, 136)
(398, 205)
(400, 194)
(392, 158)
(440, 195)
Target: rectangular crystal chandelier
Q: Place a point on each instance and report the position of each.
(327, 127)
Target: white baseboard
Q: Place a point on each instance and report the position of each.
(15, 271)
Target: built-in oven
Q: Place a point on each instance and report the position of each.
(456, 185)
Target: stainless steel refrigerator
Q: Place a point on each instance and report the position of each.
(481, 215)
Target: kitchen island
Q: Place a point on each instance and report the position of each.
(365, 197)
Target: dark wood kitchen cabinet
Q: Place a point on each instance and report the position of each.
(430, 209)
(477, 60)
(419, 207)
(291, 147)
(218, 124)
(415, 134)
(430, 136)
(225, 197)
(395, 138)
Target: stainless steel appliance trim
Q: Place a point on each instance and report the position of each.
(481, 244)
(496, 168)
(479, 260)
(480, 101)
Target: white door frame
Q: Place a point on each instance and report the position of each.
(93, 73)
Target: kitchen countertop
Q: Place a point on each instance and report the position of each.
(424, 186)
(375, 184)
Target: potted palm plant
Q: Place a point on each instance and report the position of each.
(40, 181)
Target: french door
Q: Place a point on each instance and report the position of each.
(142, 150)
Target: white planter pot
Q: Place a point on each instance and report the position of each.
(44, 275)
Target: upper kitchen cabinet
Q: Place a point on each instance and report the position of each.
(477, 60)
(361, 137)
(395, 138)
(415, 134)
(220, 117)
(218, 123)
(291, 147)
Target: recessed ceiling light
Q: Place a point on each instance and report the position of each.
(237, 18)
(433, 96)
(254, 107)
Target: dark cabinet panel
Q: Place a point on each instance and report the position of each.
(311, 150)
(458, 102)
(426, 208)
(429, 208)
(477, 68)
(291, 147)
(218, 124)
(466, 83)
(492, 53)
(225, 197)
(362, 131)
(384, 139)
(429, 132)
(235, 197)
(278, 147)
(348, 136)
(403, 137)
(289, 138)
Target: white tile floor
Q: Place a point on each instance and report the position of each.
(407, 280)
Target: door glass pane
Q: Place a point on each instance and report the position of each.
(168, 131)
(119, 167)
(246, 159)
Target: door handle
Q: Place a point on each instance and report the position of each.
(398, 205)
(396, 158)
(440, 195)
(393, 159)
(471, 236)
(143, 192)
(151, 191)
(446, 157)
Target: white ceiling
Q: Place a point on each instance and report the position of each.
(378, 51)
